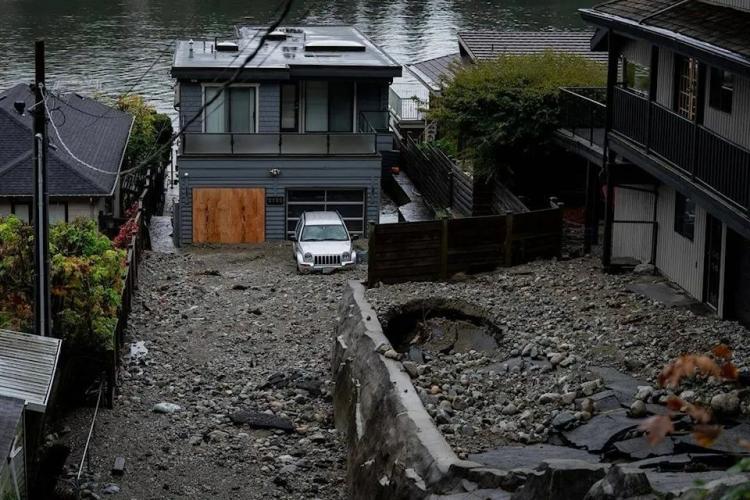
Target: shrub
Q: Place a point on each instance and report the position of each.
(85, 282)
(501, 112)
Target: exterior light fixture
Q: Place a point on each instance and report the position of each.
(275, 172)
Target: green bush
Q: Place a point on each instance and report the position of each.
(86, 279)
(501, 112)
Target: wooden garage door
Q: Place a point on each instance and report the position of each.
(228, 215)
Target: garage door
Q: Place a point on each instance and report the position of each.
(350, 203)
(223, 215)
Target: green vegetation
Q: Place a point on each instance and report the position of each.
(150, 131)
(86, 282)
(502, 113)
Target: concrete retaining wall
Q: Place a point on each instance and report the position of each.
(395, 450)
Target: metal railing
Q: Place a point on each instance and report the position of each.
(701, 154)
(406, 108)
(373, 122)
(280, 144)
(583, 113)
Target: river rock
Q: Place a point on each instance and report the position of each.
(726, 403)
(166, 408)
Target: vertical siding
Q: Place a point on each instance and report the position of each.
(665, 84)
(735, 126)
(678, 258)
(633, 240)
(269, 108)
(191, 100)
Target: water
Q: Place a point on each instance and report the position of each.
(105, 46)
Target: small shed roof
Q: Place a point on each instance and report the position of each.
(11, 413)
(433, 72)
(483, 45)
(27, 367)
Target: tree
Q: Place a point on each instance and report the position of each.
(500, 113)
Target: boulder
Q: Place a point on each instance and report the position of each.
(561, 480)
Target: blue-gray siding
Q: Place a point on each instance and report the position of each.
(325, 172)
(269, 108)
(191, 100)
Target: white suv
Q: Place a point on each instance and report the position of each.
(322, 243)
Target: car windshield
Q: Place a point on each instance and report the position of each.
(333, 232)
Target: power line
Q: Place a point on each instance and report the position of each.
(286, 7)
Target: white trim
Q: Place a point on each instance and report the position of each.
(257, 103)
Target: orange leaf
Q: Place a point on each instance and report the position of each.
(705, 435)
(698, 414)
(745, 444)
(657, 428)
(729, 371)
(674, 403)
(722, 351)
(688, 366)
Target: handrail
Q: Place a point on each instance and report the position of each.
(572, 91)
(310, 143)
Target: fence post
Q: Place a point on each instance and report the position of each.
(444, 251)
(370, 252)
(509, 240)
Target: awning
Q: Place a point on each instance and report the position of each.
(27, 367)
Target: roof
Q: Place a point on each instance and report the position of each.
(316, 218)
(434, 71)
(27, 367)
(343, 48)
(11, 414)
(722, 30)
(94, 132)
(483, 45)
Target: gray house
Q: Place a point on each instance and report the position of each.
(302, 129)
(98, 135)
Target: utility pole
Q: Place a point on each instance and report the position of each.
(41, 201)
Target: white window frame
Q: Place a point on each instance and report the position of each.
(213, 85)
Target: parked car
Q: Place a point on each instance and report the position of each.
(322, 243)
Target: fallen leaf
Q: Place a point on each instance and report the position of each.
(657, 428)
(705, 435)
(729, 371)
(674, 403)
(688, 365)
(699, 414)
(722, 351)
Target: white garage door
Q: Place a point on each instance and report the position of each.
(350, 203)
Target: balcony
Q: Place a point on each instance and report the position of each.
(583, 114)
(311, 144)
(698, 154)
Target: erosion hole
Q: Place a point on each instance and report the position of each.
(440, 325)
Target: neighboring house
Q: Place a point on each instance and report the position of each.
(476, 46)
(301, 129)
(97, 134)
(678, 143)
(28, 366)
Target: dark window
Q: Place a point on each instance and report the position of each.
(722, 88)
(686, 86)
(636, 77)
(684, 216)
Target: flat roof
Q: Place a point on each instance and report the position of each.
(27, 367)
(303, 50)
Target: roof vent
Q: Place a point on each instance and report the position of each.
(334, 46)
(20, 107)
(227, 47)
(276, 35)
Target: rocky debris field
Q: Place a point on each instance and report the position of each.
(568, 346)
(225, 392)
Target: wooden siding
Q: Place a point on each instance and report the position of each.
(243, 172)
(678, 258)
(633, 240)
(734, 126)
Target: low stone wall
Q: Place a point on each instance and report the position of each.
(395, 450)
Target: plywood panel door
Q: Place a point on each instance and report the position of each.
(229, 215)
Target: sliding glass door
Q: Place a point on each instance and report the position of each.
(233, 111)
(329, 106)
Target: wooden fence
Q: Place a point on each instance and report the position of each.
(436, 250)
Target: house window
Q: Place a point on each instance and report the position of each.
(22, 211)
(636, 77)
(233, 111)
(722, 88)
(329, 106)
(57, 212)
(684, 216)
(686, 86)
(289, 107)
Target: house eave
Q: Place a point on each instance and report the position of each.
(702, 50)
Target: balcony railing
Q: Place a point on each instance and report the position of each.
(583, 113)
(407, 108)
(697, 152)
(373, 122)
(280, 144)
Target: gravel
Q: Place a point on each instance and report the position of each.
(225, 331)
(558, 319)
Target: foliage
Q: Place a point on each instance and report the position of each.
(85, 282)
(504, 111)
(129, 229)
(150, 130)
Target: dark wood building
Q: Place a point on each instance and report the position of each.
(677, 142)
